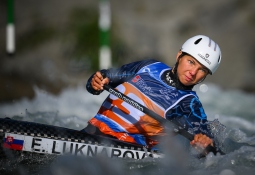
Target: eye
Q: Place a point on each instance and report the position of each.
(204, 70)
(191, 62)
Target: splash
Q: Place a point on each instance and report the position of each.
(218, 132)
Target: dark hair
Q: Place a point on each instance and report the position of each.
(177, 62)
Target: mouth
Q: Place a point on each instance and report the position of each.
(189, 79)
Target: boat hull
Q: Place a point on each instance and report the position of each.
(22, 138)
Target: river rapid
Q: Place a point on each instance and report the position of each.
(75, 106)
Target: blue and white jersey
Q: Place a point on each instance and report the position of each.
(143, 82)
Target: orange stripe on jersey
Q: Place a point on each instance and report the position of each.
(106, 130)
(129, 127)
(148, 102)
(150, 125)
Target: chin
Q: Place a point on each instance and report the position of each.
(187, 83)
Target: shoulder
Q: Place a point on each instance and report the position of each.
(137, 65)
(145, 62)
(152, 65)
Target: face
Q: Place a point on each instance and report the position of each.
(190, 71)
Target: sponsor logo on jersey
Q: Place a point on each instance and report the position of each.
(168, 93)
(142, 84)
(136, 78)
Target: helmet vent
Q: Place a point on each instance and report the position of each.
(219, 59)
(197, 41)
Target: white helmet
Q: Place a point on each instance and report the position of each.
(204, 50)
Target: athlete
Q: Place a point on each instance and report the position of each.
(165, 90)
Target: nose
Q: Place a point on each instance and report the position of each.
(193, 71)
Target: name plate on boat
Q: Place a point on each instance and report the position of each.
(53, 146)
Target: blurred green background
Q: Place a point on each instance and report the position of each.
(57, 42)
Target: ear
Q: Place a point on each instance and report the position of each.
(178, 54)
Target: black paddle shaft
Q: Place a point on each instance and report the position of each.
(168, 125)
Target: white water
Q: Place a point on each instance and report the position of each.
(233, 108)
(75, 106)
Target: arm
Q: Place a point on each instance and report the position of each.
(190, 114)
(114, 76)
